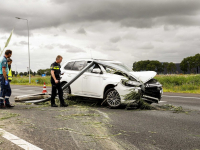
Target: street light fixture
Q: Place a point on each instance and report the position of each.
(28, 47)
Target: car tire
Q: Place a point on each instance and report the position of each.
(66, 92)
(112, 98)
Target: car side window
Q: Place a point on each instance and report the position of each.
(109, 70)
(79, 65)
(69, 66)
(90, 69)
(95, 66)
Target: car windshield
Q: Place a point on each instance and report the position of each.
(122, 66)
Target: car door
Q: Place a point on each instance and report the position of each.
(92, 83)
(66, 70)
(76, 86)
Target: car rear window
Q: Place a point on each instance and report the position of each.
(79, 65)
(69, 66)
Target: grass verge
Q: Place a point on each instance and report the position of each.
(35, 81)
(180, 83)
(9, 115)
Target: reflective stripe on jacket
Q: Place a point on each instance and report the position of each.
(10, 75)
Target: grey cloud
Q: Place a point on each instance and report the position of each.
(81, 31)
(49, 46)
(70, 48)
(146, 46)
(3, 37)
(138, 23)
(15, 44)
(23, 43)
(110, 48)
(63, 30)
(115, 39)
(91, 46)
(137, 14)
(169, 28)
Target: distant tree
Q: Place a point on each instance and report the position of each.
(184, 65)
(140, 65)
(31, 72)
(16, 73)
(191, 62)
(171, 67)
(134, 66)
(40, 72)
(165, 64)
(34, 73)
(44, 71)
(152, 65)
(197, 61)
(25, 73)
(21, 73)
(48, 72)
(13, 73)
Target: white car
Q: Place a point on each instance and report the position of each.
(109, 80)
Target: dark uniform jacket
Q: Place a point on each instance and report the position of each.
(56, 67)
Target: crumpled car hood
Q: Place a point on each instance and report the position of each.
(144, 76)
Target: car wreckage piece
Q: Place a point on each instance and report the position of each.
(151, 90)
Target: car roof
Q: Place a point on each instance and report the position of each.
(90, 59)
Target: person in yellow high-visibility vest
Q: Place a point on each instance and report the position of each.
(9, 60)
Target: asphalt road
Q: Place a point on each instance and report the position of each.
(82, 126)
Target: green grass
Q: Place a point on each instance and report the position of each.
(25, 81)
(180, 83)
(9, 115)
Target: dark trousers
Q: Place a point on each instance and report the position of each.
(56, 87)
(5, 90)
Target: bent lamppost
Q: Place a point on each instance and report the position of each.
(28, 47)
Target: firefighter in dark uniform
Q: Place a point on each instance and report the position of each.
(55, 81)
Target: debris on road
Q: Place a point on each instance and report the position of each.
(24, 98)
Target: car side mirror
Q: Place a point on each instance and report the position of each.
(96, 70)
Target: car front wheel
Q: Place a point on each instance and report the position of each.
(112, 98)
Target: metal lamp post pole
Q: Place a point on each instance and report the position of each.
(28, 47)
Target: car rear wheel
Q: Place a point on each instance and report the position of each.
(112, 98)
(66, 91)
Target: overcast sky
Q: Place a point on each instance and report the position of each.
(128, 31)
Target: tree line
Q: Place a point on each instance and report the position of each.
(190, 64)
(39, 72)
(154, 65)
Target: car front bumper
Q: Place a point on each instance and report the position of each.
(123, 90)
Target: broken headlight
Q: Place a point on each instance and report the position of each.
(130, 83)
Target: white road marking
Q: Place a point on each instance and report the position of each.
(181, 97)
(19, 142)
(104, 114)
(162, 101)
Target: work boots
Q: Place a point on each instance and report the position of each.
(2, 105)
(9, 105)
(63, 105)
(54, 105)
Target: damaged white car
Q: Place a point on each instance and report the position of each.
(109, 80)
